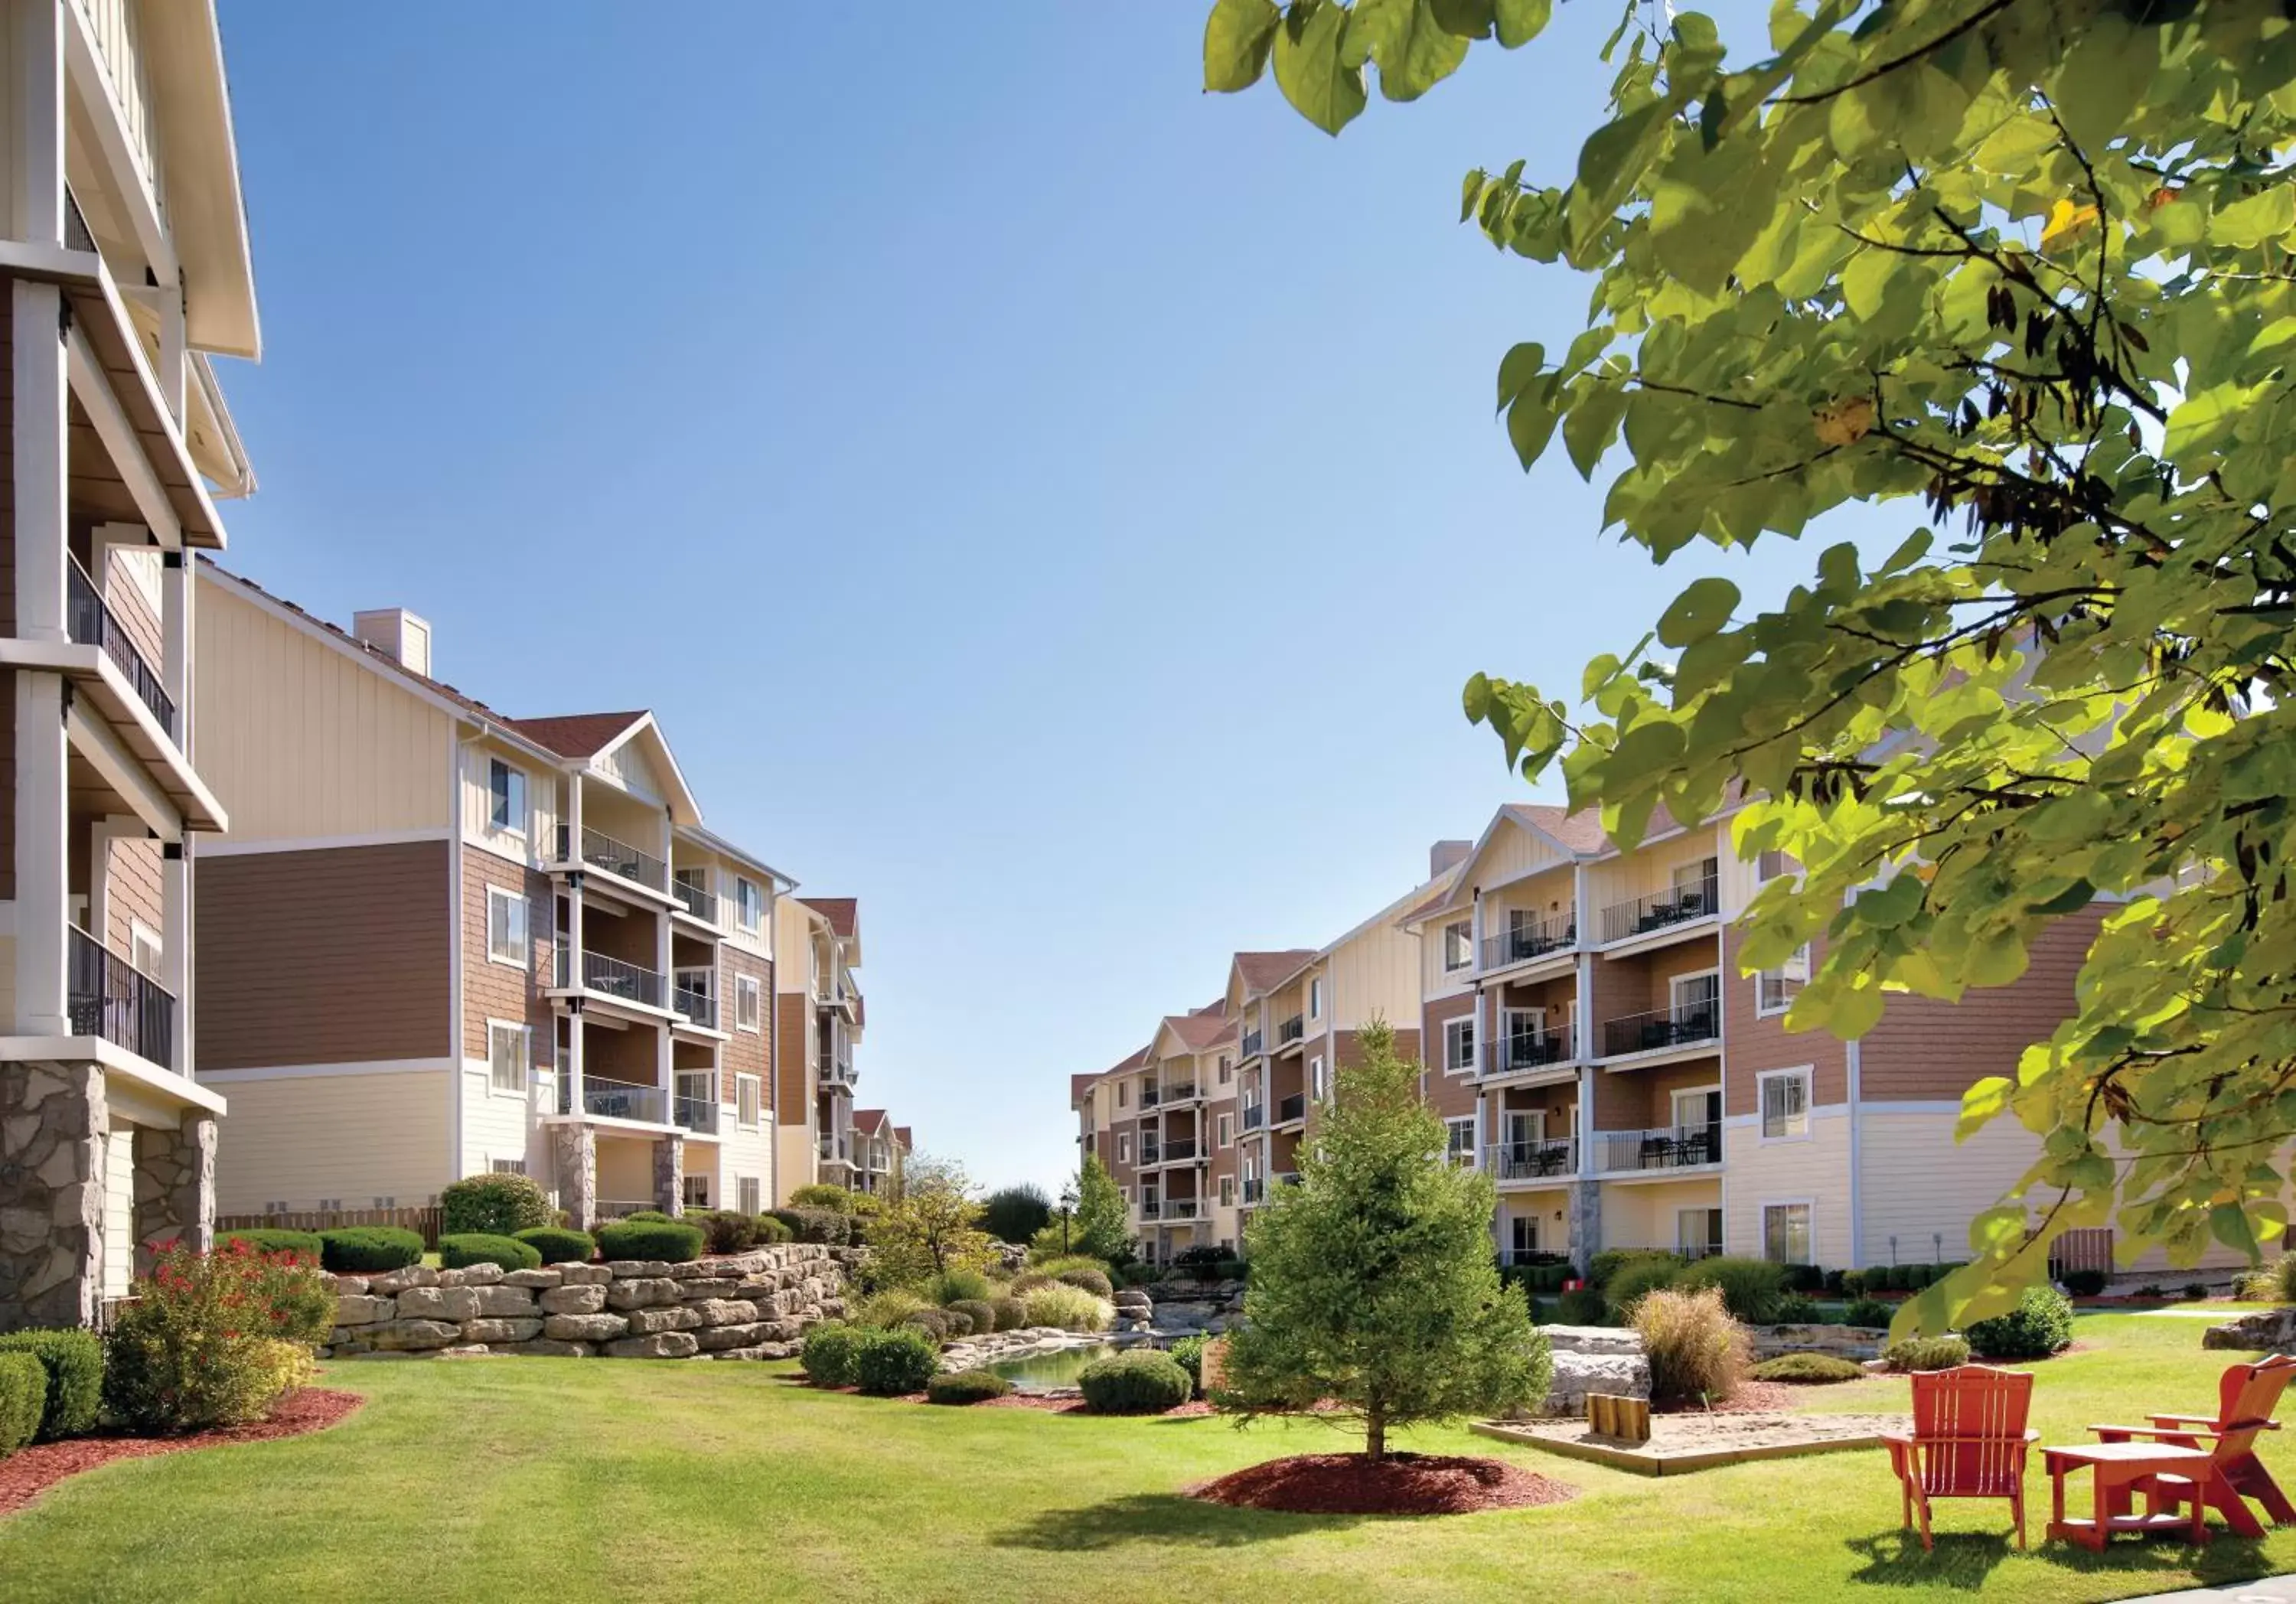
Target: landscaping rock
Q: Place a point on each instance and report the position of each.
(710, 1285)
(504, 1300)
(636, 1269)
(661, 1345)
(583, 1328)
(1848, 1342)
(573, 1300)
(2265, 1331)
(641, 1292)
(352, 1309)
(491, 1331)
(719, 1339)
(350, 1286)
(645, 1322)
(476, 1276)
(395, 1281)
(583, 1275)
(724, 1311)
(408, 1334)
(534, 1281)
(1591, 1339)
(544, 1348)
(438, 1302)
(1577, 1374)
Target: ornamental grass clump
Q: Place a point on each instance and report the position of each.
(198, 1343)
(1697, 1351)
(1070, 1309)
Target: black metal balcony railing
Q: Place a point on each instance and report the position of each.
(1253, 1041)
(697, 1006)
(1291, 1030)
(1151, 1094)
(1150, 1153)
(702, 904)
(76, 235)
(106, 995)
(1684, 1025)
(1178, 1091)
(1294, 1106)
(1255, 1115)
(1254, 1188)
(1656, 912)
(1181, 1208)
(695, 1113)
(1184, 1148)
(1511, 1054)
(1152, 1208)
(1670, 1146)
(1532, 939)
(612, 978)
(1529, 1160)
(602, 851)
(91, 622)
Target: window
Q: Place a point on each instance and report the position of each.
(1524, 1230)
(1123, 1148)
(1227, 1130)
(1316, 1079)
(746, 995)
(1786, 1233)
(1316, 998)
(1785, 1106)
(1694, 1003)
(1695, 886)
(1123, 1089)
(144, 948)
(506, 797)
(1698, 1111)
(748, 903)
(508, 1048)
(1458, 946)
(1226, 1070)
(1772, 864)
(506, 936)
(694, 1189)
(1227, 1192)
(746, 1194)
(1459, 1044)
(749, 1100)
(1774, 988)
(1460, 1144)
(508, 1167)
(1697, 1233)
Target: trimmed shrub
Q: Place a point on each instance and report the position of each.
(958, 1286)
(1792, 1309)
(1584, 1307)
(1833, 1282)
(979, 1311)
(1134, 1275)
(304, 1244)
(1188, 1353)
(2041, 1324)
(890, 1363)
(2194, 1291)
(1026, 1282)
(827, 1226)
(1807, 1370)
(2083, 1283)
(1094, 1282)
(2152, 1290)
(1012, 1312)
(1234, 1269)
(369, 1249)
(939, 1324)
(888, 1308)
(827, 1356)
(557, 1245)
(1537, 1278)
(967, 1387)
(822, 1194)
(723, 1230)
(1697, 1350)
(23, 1397)
(771, 1230)
(73, 1362)
(1804, 1278)
(1608, 1263)
(1631, 1282)
(493, 1206)
(1926, 1353)
(1142, 1381)
(480, 1248)
(1070, 1309)
(1854, 1283)
(1868, 1311)
(670, 1242)
(1752, 1288)
(192, 1347)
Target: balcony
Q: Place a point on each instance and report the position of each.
(602, 851)
(1533, 1160)
(1255, 1117)
(697, 1114)
(1179, 1091)
(1254, 1042)
(1686, 1025)
(1531, 938)
(1668, 1148)
(836, 1150)
(1150, 1095)
(835, 1066)
(612, 978)
(1184, 1149)
(106, 995)
(613, 1100)
(1512, 1054)
(1152, 1208)
(1181, 1208)
(1699, 900)
(1287, 1177)
(1291, 1030)
(91, 622)
(1292, 1107)
(1254, 1189)
(701, 904)
(1150, 1153)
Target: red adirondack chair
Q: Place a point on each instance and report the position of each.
(2246, 1397)
(1969, 1441)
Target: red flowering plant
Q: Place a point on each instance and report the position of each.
(205, 1338)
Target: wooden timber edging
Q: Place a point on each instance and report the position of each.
(1642, 1461)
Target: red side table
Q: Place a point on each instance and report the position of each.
(2118, 1471)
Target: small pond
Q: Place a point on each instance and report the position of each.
(1040, 1372)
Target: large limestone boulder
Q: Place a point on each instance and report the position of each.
(724, 1311)
(719, 1339)
(2265, 1331)
(1591, 1339)
(542, 1347)
(583, 1275)
(398, 1280)
(471, 1275)
(492, 1331)
(645, 1323)
(406, 1336)
(504, 1300)
(535, 1281)
(583, 1328)
(354, 1309)
(573, 1300)
(438, 1302)
(641, 1292)
(1618, 1375)
(661, 1345)
(637, 1269)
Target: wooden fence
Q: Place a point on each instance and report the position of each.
(2089, 1248)
(424, 1221)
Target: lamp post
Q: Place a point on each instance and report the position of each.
(1068, 1208)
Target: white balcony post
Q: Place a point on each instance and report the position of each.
(1475, 933)
(37, 44)
(572, 1068)
(42, 820)
(175, 944)
(175, 591)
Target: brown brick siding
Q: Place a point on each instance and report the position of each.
(496, 991)
(338, 955)
(1924, 1050)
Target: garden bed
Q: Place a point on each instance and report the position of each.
(1402, 1484)
(1700, 1441)
(31, 1471)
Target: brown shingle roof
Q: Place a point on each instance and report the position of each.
(577, 735)
(842, 912)
(1264, 970)
(871, 1120)
(901, 1135)
(1197, 1031)
(1580, 830)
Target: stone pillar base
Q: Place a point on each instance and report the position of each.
(670, 1175)
(575, 1158)
(1586, 1222)
(53, 1124)
(174, 1187)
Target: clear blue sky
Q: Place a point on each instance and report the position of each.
(1053, 505)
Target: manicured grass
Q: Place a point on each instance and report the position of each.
(580, 1479)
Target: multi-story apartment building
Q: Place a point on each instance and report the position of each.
(438, 941)
(1179, 1140)
(125, 251)
(880, 1151)
(819, 1019)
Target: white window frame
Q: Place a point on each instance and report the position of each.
(495, 1167)
(146, 949)
(1674, 1102)
(508, 812)
(1123, 1090)
(1675, 983)
(693, 1190)
(1316, 1083)
(749, 1094)
(1316, 997)
(1227, 1126)
(521, 953)
(1516, 1231)
(1226, 1070)
(1124, 1147)
(1807, 1075)
(524, 1035)
(1794, 972)
(1453, 1149)
(1808, 1205)
(1227, 1192)
(1461, 957)
(748, 998)
(1452, 1056)
(749, 1193)
(749, 904)
(1710, 1243)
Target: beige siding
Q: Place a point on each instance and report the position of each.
(533, 839)
(495, 1125)
(625, 1169)
(357, 1137)
(1815, 1170)
(1643, 1216)
(1373, 974)
(119, 1208)
(1649, 870)
(1513, 853)
(300, 740)
(794, 1154)
(628, 766)
(111, 24)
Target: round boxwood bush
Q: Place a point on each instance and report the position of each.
(723, 1230)
(1868, 1311)
(669, 1241)
(978, 1310)
(479, 1247)
(1752, 1288)
(1142, 1381)
(1012, 1312)
(494, 1205)
(1926, 1353)
(1807, 1370)
(771, 1230)
(967, 1387)
(73, 1360)
(23, 1398)
(369, 1249)
(827, 1356)
(2041, 1324)
(1094, 1281)
(890, 1363)
(557, 1245)
(2083, 1283)
(939, 1324)
(303, 1243)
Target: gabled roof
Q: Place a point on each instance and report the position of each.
(579, 734)
(1579, 832)
(871, 1120)
(902, 1138)
(1079, 1084)
(1200, 1031)
(842, 912)
(1264, 971)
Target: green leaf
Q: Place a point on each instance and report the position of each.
(1520, 21)
(1413, 51)
(1702, 609)
(1531, 424)
(1468, 19)
(1237, 37)
(2245, 225)
(1590, 425)
(1519, 370)
(2104, 78)
(1321, 86)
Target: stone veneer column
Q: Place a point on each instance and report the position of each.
(576, 1160)
(174, 1186)
(670, 1175)
(1586, 1222)
(54, 1122)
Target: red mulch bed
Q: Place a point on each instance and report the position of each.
(1403, 1483)
(31, 1471)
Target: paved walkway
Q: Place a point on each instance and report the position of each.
(2267, 1590)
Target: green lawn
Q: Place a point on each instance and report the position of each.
(576, 1479)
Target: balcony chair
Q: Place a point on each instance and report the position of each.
(2246, 1397)
(1969, 1440)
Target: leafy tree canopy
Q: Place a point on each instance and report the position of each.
(1102, 1224)
(1373, 1282)
(2023, 265)
(1015, 1214)
(933, 1226)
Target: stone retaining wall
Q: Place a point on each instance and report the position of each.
(749, 1305)
(1847, 1342)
